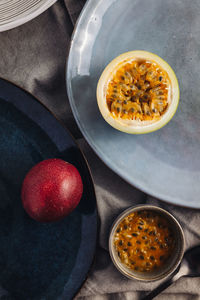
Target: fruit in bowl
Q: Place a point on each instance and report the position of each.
(138, 92)
(51, 190)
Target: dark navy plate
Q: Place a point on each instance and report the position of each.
(39, 261)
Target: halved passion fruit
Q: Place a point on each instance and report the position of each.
(138, 92)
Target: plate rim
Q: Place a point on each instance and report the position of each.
(105, 160)
(27, 17)
(87, 165)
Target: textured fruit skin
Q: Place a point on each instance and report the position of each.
(51, 190)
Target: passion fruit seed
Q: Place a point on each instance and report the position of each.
(138, 91)
(134, 234)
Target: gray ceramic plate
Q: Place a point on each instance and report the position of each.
(166, 163)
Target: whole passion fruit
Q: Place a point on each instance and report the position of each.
(51, 190)
(138, 92)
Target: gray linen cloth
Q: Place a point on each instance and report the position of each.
(33, 56)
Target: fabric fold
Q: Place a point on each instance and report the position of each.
(34, 56)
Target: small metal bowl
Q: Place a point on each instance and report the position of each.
(171, 264)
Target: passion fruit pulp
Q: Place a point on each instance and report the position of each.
(138, 92)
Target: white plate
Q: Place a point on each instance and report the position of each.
(17, 12)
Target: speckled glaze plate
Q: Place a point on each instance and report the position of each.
(17, 12)
(166, 163)
(38, 260)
